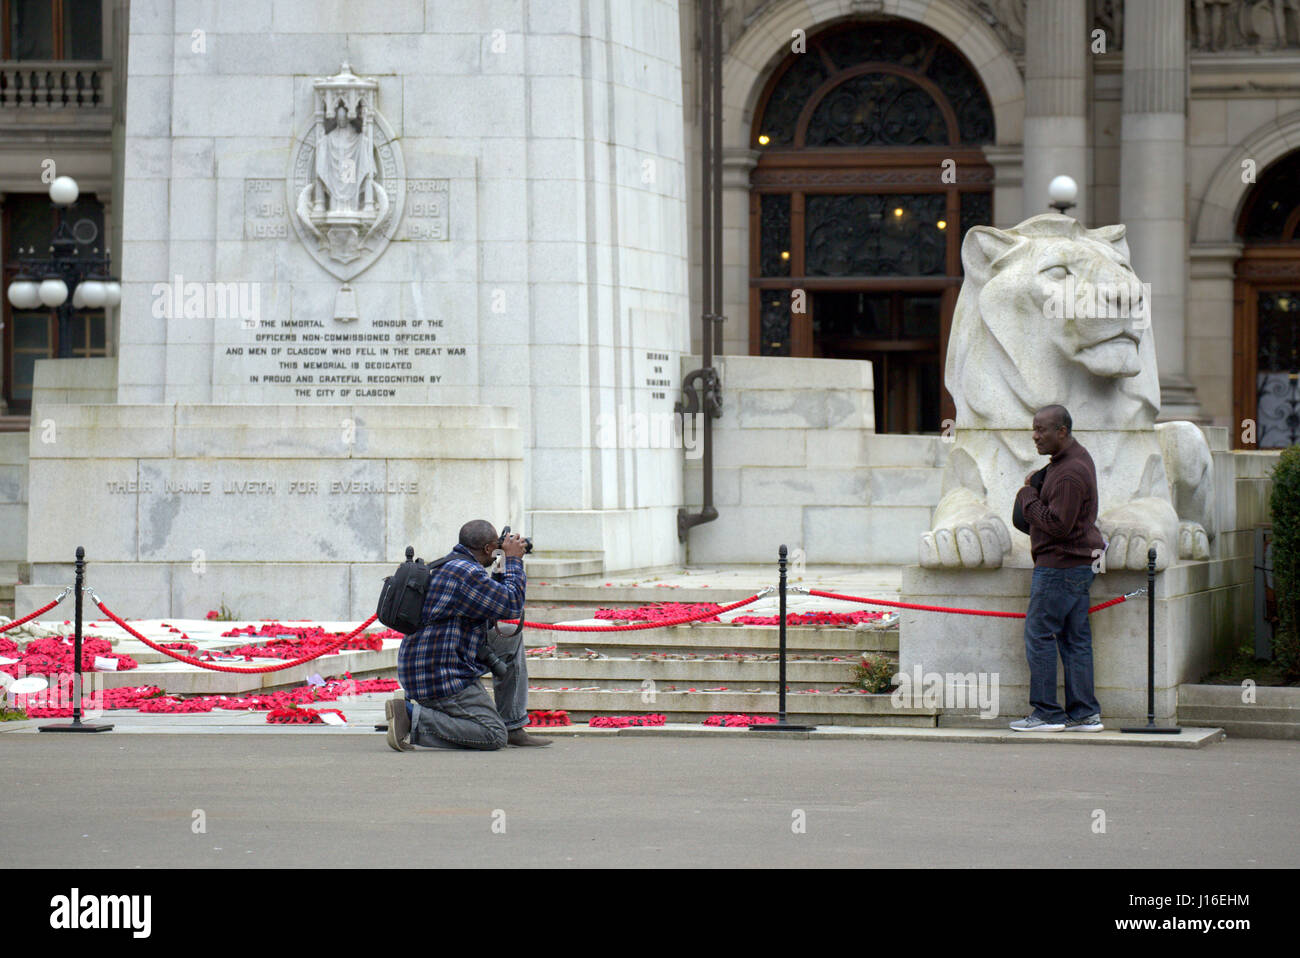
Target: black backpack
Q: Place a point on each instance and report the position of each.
(401, 601)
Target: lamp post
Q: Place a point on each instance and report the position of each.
(64, 280)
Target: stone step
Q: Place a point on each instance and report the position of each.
(8, 582)
(177, 678)
(826, 708)
(1229, 696)
(629, 674)
(547, 566)
(715, 638)
(1240, 713)
(1271, 730)
(597, 595)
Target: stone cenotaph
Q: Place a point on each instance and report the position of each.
(387, 267)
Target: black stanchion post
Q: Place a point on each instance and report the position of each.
(781, 724)
(76, 724)
(1151, 728)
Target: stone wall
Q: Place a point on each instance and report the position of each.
(797, 461)
(13, 497)
(276, 511)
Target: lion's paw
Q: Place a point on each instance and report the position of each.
(1128, 544)
(1134, 527)
(1193, 543)
(966, 545)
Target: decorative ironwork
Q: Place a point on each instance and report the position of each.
(774, 235)
(1278, 369)
(797, 84)
(774, 322)
(1274, 202)
(976, 210)
(877, 109)
(965, 94)
(967, 174)
(871, 44)
(875, 235)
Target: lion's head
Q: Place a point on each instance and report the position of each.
(1051, 312)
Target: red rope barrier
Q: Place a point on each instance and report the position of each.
(27, 618)
(940, 608)
(328, 650)
(682, 620)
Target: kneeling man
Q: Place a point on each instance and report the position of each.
(439, 666)
(1064, 541)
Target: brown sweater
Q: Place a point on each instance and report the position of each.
(1063, 517)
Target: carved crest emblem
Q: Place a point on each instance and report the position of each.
(348, 181)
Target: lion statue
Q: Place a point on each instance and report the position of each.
(1052, 312)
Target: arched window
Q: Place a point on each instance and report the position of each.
(1266, 374)
(870, 173)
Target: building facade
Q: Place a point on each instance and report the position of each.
(861, 140)
(1179, 119)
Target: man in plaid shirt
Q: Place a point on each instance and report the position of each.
(439, 666)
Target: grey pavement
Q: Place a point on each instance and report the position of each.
(346, 800)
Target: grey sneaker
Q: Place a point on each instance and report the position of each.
(1090, 724)
(1033, 724)
(399, 725)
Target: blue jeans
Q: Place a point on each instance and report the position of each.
(469, 719)
(1058, 618)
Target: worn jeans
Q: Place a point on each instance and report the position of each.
(1058, 618)
(469, 719)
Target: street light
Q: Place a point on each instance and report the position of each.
(64, 280)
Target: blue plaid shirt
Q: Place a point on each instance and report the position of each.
(442, 658)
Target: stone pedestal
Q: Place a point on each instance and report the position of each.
(275, 511)
(797, 460)
(1201, 610)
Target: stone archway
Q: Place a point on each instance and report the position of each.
(765, 44)
(758, 51)
(1220, 289)
(1216, 218)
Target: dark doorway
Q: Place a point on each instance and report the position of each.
(899, 333)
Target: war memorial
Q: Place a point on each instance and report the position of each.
(665, 289)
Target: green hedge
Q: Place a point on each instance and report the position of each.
(1285, 506)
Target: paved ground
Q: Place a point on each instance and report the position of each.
(336, 800)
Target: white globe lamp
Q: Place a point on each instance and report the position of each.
(24, 294)
(93, 293)
(1063, 191)
(53, 292)
(64, 191)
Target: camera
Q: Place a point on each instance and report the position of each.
(528, 543)
(494, 663)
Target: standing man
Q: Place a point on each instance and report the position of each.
(1065, 542)
(439, 666)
